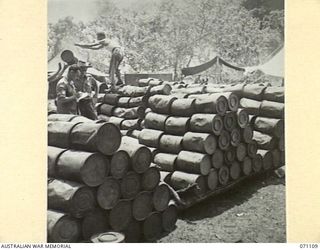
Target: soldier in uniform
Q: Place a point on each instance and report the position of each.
(116, 55)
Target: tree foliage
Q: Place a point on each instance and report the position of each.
(176, 33)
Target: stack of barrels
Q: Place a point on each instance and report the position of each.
(100, 181)
(126, 107)
(203, 142)
(265, 104)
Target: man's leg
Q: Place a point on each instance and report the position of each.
(112, 71)
(118, 59)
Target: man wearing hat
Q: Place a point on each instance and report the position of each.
(87, 86)
(74, 94)
(116, 55)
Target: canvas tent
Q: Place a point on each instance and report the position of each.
(273, 65)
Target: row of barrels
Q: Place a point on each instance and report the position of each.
(126, 107)
(96, 192)
(206, 141)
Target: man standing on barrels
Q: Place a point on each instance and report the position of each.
(74, 93)
(116, 55)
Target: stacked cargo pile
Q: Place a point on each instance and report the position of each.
(265, 105)
(126, 107)
(266, 108)
(100, 181)
(203, 143)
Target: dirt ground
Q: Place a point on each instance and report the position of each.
(251, 212)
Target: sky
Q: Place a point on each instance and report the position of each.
(84, 10)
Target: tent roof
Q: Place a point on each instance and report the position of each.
(274, 66)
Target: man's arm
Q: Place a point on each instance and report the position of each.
(61, 94)
(97, 45)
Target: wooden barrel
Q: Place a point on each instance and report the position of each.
(272, 109)
(235, 170)
(246, 166)
(267, 160)
(274, 94)
(177, 125)
(106, 109)
(223, 175)
(252, 148)
(161, 197)
(108, 193)
(199, 142)
(235, 136)
(164, 89)
(230, 120)
(281, 143)
(224, 140)
(206, 123)
(62, 228)
(61, 117)
(103, 137)
(152, 226)
(142, 205)
(150, 179)
(212, 179)
(134, 133)
(53, 156)
(276, 158)
(103, 118)
(117, 121)
(213, 104)
(264, 141)
(184, 181)
(169, 217)
(108, 237)
(133, 232)
(155, 121)
(166, 162)
(144, 82)
(282, 158)
(140, 155)
(59, 133)
(133, 91)
(254, 91)
(241, 151)
(269, 126)
(123, 102)
(130, 185)
(131, 124)
(257, 163)
(170, 144)
(233, 100)
(252, 107)
(119, 164)
(70, 197)
(111, 99)
(247, 134)
(242, 118)
(217, 159)
(84, 167)
(161, 103)
(94, 222)
(129, 113)
(194, 163)
(120, 215)
(135, 101)
(229, 156)
(150, 137)
(183, 107)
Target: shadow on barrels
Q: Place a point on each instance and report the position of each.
(237, 195)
